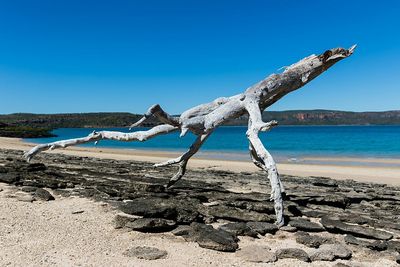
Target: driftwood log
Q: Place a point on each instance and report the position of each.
(203, 119)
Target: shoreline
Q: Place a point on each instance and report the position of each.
(362, 173)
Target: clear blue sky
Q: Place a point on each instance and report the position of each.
(91, 56)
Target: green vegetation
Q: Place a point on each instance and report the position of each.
(328, 117)
(23, 131)
(39, 125)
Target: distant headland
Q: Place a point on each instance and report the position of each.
(28, 125)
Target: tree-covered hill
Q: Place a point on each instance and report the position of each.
(31, 125)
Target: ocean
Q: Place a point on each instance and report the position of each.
(286, 143)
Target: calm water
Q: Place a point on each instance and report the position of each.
(284, 142)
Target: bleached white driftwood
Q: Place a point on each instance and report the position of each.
(203, 119)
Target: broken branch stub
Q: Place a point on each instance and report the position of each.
(203, 119)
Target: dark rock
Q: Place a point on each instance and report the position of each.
(349, 239)
(354, 218)
(335, 200)
(32, 167)
(35, 183)
(182, 211)
(322, 181)
(398, 259)
(330, 253)
(43, 194)
(182, 230)
(263, 227)
(394, 245)
(147, 253)
(254, 253)
(92, 193)
(151, 225)
(149, 207)
(337, 226)
(187, 211)
(121, 219)
(313, 213)
(35, 167)
(54, 183)
(235, 214)
(238, 228)
(29, 189)
(208, 237)
(77, 212)
(140, 187)
(384, 224)
(312, 241)
(378, 245)
(113, 192)
(293, 253)
(306, 225)
(9, 178)
(263, 207)
(288, 228)
(292, 209)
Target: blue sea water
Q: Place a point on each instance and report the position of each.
(284, 142)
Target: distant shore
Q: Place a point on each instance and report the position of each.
(339, 170)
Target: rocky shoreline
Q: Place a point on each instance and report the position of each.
(332, 219)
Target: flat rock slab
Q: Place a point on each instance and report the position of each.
(255, 253)
(263, 227)
(208, 237)
(322, 181)
(293, 253)
(306, 225)
(331, 252)
(121, 219)
(239, 229)
(29, 189)
(337, 226)
(394, 245)
(288, 228)
(9, 178)
(378, 245)
(236, 214)
(334, 200)
(151, 225)
(147, 253)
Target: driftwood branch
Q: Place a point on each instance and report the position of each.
(203, 119)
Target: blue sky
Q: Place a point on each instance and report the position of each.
(92, 56)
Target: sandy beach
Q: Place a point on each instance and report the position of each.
(363, 172)
(76, 230)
